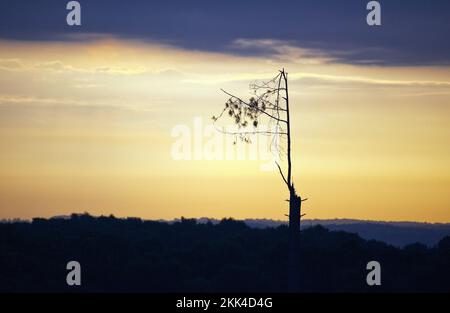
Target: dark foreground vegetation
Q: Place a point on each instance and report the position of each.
(128, 255)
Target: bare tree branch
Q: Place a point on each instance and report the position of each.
(264, 112)
(282, 175)
(250, 132)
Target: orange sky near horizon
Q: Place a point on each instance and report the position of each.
(89, 127)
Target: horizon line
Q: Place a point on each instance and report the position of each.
(176, 219)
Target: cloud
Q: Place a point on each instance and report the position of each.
(11, 65)
(282, 51)
(342, 79)
(412, 34)
(120, 70)
(51, 65)
(18, 99)
(61, 67)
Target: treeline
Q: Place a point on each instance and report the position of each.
(131, 255)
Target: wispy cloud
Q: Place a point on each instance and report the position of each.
(368, 80)
(284, 51)
(11, 65)
(60, 67)
(17, 99)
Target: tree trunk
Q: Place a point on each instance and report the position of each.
(295, 203)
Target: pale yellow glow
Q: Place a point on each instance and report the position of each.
(87, 127)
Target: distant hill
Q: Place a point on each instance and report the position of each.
(398, 234)
(125, 255)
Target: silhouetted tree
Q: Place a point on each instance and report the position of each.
(270, 102)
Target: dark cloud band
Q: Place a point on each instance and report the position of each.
(413, 32)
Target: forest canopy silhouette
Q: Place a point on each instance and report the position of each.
(131, 255)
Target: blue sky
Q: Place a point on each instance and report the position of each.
(412, 32)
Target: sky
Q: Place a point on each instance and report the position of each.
(90, 115)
